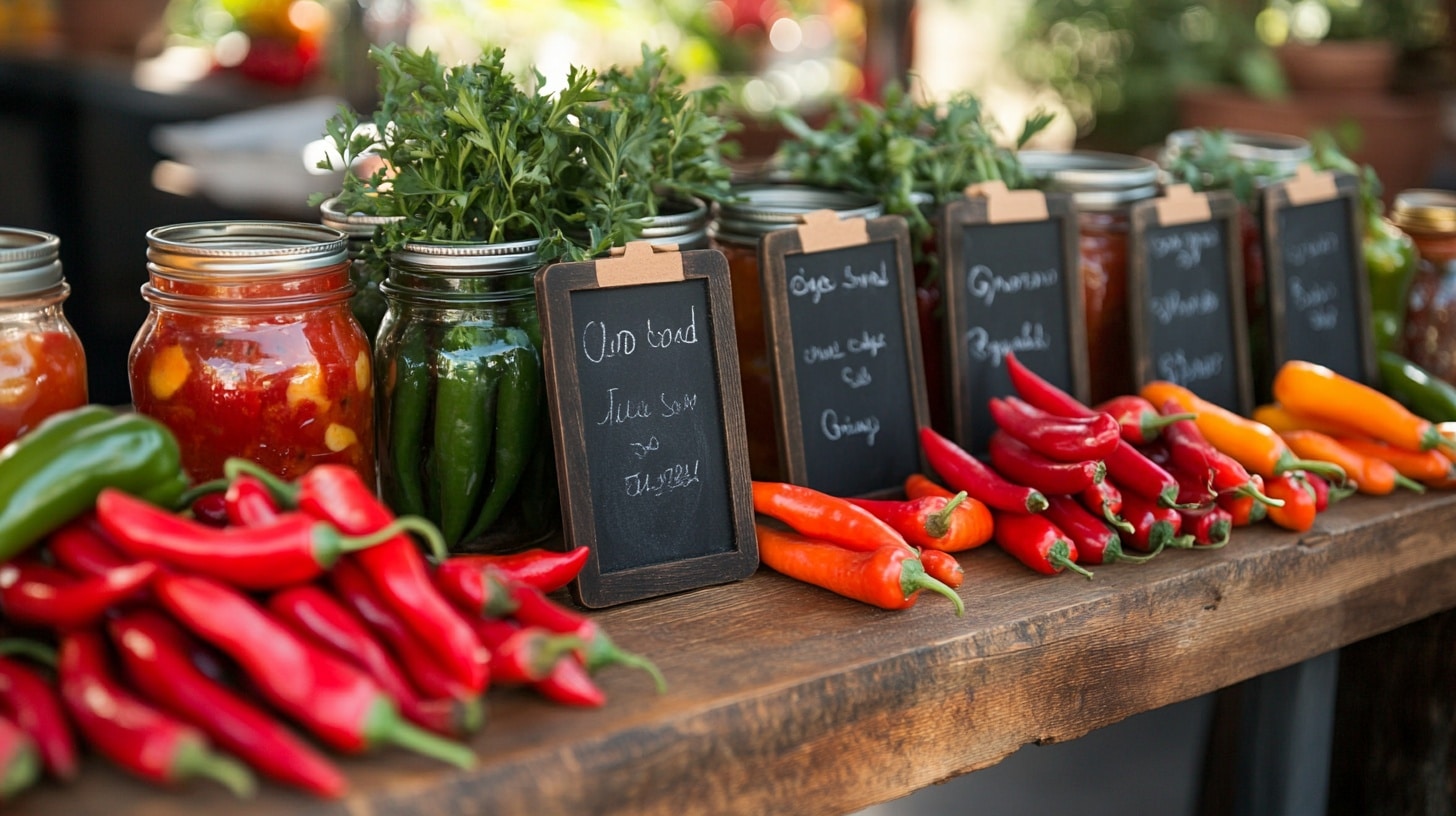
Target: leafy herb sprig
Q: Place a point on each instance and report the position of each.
(1207, 162)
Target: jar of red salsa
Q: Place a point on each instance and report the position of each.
(42, 363)
(737, 228)
(1429, 217)
(250, 348)
(1104, 186)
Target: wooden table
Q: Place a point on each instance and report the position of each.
(783, 697)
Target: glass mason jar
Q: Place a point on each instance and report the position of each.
(366, 271)
(250, 349)
(464, 438)
(1104, 186)
(1429, 217)
(757, 210)
(42, 363)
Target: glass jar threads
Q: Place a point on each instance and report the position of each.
(463, 437)
(250, 349)
(757, 210)
(1429, 217)
(1104, 187)
(366, 270)
(42, 363)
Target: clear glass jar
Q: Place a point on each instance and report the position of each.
(250, 349)
(365, 270)
(1105, 186)
(1429, 217)
(464, 438)
(757, 210)
(42, 362)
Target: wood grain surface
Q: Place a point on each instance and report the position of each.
(784, 698)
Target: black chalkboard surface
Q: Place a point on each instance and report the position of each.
(1011, 284)
(1319, 306)
(1185, 293)
(845, 355)
(641, 368)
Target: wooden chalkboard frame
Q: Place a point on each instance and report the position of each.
(773, 251)
(555, 286)
(980, 211)
(1224, 209)
(1281, 196)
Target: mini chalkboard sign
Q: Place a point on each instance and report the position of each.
(1011, 284)
(844, 353)
(647, 412)
(1319, 306)
(1186, 296)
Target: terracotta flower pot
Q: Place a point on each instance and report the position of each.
(127, 28)
(1339, 66)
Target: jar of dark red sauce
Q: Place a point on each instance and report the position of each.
(1429, 335)
(42, 363)
(1104, 186)
(250, 348)
(736, 230)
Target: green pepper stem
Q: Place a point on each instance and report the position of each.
(1182, 542)
(1061, 556)
(938, 523)
(197, 491)
(194, 759)
(1036, 502)
(1099, 471)
(22, 771)
(913, 578)
(35, 650)
(1119, 523)
(1252, 491)
(602, 651)
(284, 492)
(1153, 424)
(1218, 535)
(1331, 472)
(1124, 555)
(1409, 483)
(383, 724)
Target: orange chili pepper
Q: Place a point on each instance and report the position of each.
(889, 577)
(825, 517)
(1252, 444)
(1373, 476)
(1318, 392)
(1419, 465)
(1298, 511)
(943, 567)
(1281, 419)
(971, 523)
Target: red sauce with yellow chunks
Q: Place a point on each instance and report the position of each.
(41, 373)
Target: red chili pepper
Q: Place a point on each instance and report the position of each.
(210, 509)
(943, 567)
(888, 578)
(338, 495)
(1025, 466)
(1299, 510)
(824, 517)
(20, 760)
(83, 548)
(533, 608)
(1191, 452)
(962, 471)
(546, 570)
(132, 734)
(1139, 419)
(428, 674)
(156, 657)
(1195, 488)
(1105, 499)
(292, 549)
(1063, 438)
(970, 521)
(29, 701)
(324, 620)
(1154, 526)
(923, 522)
(1036, 542)
(329, 697)
(1326, 494)
(34, 594)
(569, 683)
(1095, 540)
(530, 654)
(1132, 471)
(249, 503)
(1242, 508)
(476, 589)
(1210, 526)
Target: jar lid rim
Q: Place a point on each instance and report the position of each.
(30, 262)
(1425, 209)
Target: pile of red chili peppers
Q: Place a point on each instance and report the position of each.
(172, 631)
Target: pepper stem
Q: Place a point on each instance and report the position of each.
(419, 525)
(1099, 471)
(913, 578)
(1152, 425)
(284, 493)
(1218, 535)
(1121, 524)
(197, 491)
(383, 724)
(1182, 542)
(1252, 491)
(1409, 483)
(194, 759)
(39, 652)
(1060, 556)
(1036, 502)
(22, 771)
(937, 524)
(1332, 472)
(601, 651)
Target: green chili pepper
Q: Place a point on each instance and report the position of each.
(1425, 393)
(468, 373)
(54, 473)
(400, 477)
(518, 411)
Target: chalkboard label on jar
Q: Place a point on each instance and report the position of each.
(844, 351)
(1186, 296)
(1319, 306)
(647, 412)
(1011, 284)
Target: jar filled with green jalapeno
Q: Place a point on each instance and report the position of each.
(463, 436)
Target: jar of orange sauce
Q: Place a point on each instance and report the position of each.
(736, 230)
(42, 362)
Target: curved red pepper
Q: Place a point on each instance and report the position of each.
(922, 522)
(30, 701)
(329, 697)
(132, 734)
(888, 578)
(569, 683)
(292, 549)
(1063, 438)
(249, 503)
(210, 509)
(1299, 509)
(533, 608)
(530, 654)
(1137, 419)
(1154, 526)
(1025, 466)
(156, 657)
(34, 594)
(546, 570)
(1096, 541)
(1191, 452)
(943, 567)
(1243, 510)
(477, 590)
(1209, 526)
(1036, 542)
(962, 471)
(83, 548)
(1105, 499)
(970, 521)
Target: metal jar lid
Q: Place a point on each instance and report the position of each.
(244, 248)
(763, 208)
(470, 259)
(680, 222)
(1425, 210)
(30, 262)
(1097, 181)
(355, 225)
(1281, 152)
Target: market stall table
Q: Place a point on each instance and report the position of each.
(783, 696)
